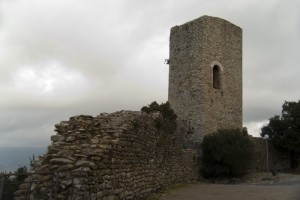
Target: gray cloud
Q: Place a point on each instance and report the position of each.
(64, 58)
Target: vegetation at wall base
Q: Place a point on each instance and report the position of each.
(11, 185)
(284, 131)
(226, 153)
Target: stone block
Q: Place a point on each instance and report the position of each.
(57, 138)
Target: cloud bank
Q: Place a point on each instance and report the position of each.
(61, 58)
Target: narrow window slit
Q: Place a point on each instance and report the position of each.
(216, 77)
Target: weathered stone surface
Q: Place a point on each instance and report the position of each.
(57, 138)
(20, 198)
(24, 186)
(121, 162)
(21, 192)
(46, 177)
(84, 163)
(196, 49)
(65, 167)
(61, 161)
(70, 139)
(278, 160)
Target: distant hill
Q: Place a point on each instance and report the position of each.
(13, 157)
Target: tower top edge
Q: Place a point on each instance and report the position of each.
(208, 19)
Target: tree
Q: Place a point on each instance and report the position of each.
(285, 130)
(226, 153)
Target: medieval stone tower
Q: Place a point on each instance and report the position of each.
(205, 77)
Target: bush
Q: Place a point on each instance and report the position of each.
(227, 153)
(168, 123)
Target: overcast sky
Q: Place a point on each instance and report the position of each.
(60, 58)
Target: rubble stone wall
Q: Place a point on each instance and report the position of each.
(122, 155)
(277, 160)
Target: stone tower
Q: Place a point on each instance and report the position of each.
(205, 77)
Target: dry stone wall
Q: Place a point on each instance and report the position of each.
(277, 160)
(122, 155)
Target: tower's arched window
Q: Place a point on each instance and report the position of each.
(216, 77)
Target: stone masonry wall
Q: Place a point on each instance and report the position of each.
(277, 160)
(195, 48)
(122, 155)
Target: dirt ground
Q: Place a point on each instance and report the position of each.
(283, 187)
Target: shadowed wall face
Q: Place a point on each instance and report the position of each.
(122, 155)
(205, 78)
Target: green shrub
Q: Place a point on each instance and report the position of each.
(227, 153)
(168, 123)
